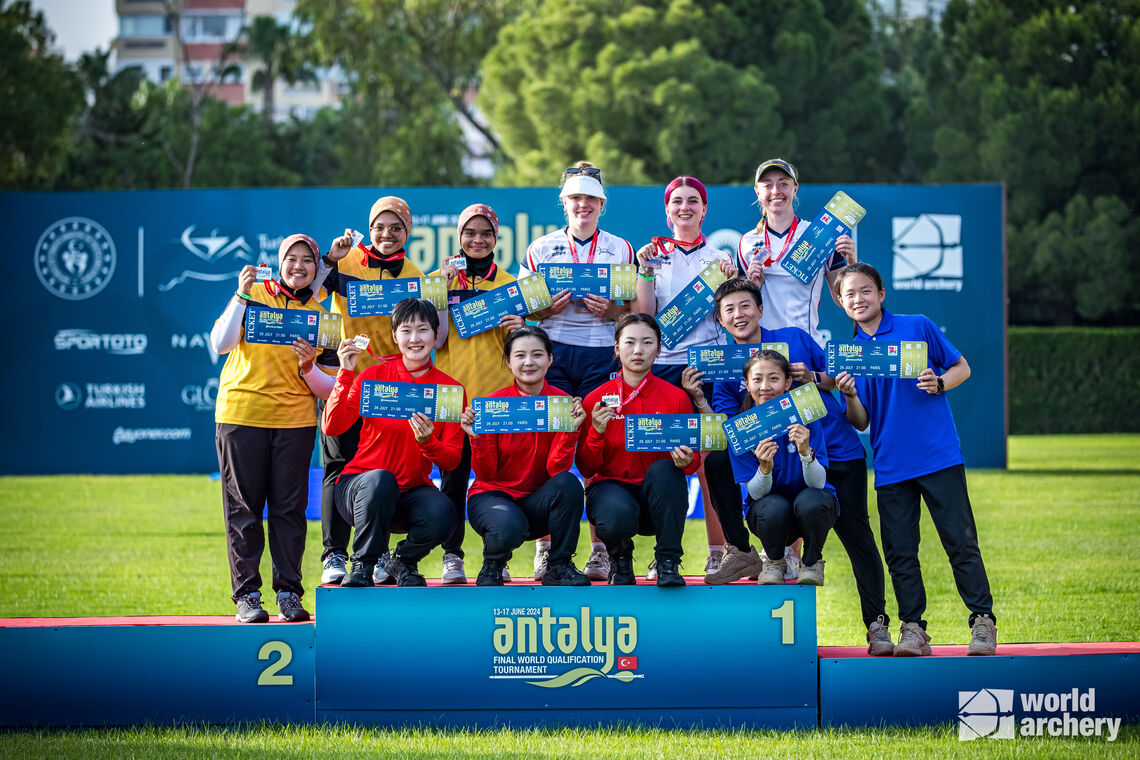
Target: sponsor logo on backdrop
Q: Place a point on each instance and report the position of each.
(202, 398)
(68, 396)
(134, 435)
(195, 341)
(119, 344)
(927, 252)
(991, 714)
(533, 645)
(75, 258)
(101, 396)
(219, 249)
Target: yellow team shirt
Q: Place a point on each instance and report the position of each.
(379, 329)
(261, 385)
(476, 362)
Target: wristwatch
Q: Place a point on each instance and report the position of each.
(941, 386)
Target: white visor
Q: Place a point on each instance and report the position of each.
(582, 184)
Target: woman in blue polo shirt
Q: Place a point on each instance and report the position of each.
(786, 479)
(917, 453)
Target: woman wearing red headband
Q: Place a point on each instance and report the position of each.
(665, 267)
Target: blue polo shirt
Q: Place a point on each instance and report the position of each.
(912, 432)
(787, 472)
(843, 443)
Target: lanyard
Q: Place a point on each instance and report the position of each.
(463, 281)
(368, 254)
(275, 289)
(621, 394)
(574, 247)
(660, 244)
(791, 235)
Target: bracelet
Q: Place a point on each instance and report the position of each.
(243, 296)
(645, 276)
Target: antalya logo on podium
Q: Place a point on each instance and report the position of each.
(75, 258)
(927, 252)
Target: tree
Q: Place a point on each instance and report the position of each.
(274, 46)
(40, 96)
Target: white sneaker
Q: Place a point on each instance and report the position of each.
(794, 564)
(651, 573)
(598, 565)
(335, 568)
(712, 564)
(453, 574)
(380, 572)
(541, 558)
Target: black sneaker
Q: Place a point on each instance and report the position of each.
(491, 574)
(621, 569)
(290, 609)
(668, 572)
(405, 573)
(564, 574)
(249, 609)
(360, 575)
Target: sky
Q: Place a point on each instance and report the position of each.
(80, 25)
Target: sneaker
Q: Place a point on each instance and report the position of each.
(491, 574)
(811, 575)
(794, 564)
(669, 574)
(621, 569)
(335, 567)
(735, 565)
(913, 641)
(879, 638)
(290, 609)
(773, 572)
(598, 565)
(506, 573)
(541, 558)
(453, 574)
(564, 574)
(406, 573)
(360, 575)
(712, 564)
(983, 636)
(380, 575)
(249, 609)
(651, 573)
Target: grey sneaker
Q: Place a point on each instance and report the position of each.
(811, 575)
(506, 573)
(380, 575)
(541, 559)
(651, 572)
(598, 565)
(712, 564)
(289, 608)
(249, 609)
(983, 636)
(453, 574)
(335, 567)
(794, 564)
(773, 572)
(879, 638)
(913, 641)
(735, 565)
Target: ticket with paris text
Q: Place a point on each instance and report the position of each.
(280, 327)
(523, 414)
(877, 358)
(399, 401)
(817, 245)
(692, 304)
(800, 405)
(483, 312)
(617, 282)
(727, 362)
(377, 298)
(665, 432)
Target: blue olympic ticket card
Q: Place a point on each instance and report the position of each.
(800, 405)
(691, 305)
(523, 414)
(280, 327)
(665, 432)
(399, 401)
(483, 312)
(817, 245)
(873, 358)
(727, 362)
(617, 282)
(377, 298)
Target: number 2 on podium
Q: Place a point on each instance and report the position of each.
(272, 675)
(786, 614)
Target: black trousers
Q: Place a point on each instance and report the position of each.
(264, 467)
(657, 507)
(374, 503)
(853, 528)
(724, 493)
(778, 522)
(505, 522)
(454, 484)
(948, 501)
(336, 452)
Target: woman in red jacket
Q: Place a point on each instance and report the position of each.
(630, 493)
(522, 485)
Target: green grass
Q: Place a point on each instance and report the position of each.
(1058, 532)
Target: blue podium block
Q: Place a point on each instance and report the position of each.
(121, 671)
(533, 655)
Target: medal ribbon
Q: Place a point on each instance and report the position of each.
(368, 254)
(622, 400)
(574, 247)
(769, 261)
(661, 243)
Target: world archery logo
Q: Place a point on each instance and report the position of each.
(985, 713)
(927, 252)
(75, 258)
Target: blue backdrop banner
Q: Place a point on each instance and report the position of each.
(119, 291)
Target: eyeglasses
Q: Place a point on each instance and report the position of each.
(394, 229)
(590, 171)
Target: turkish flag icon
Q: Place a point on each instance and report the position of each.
(627, 663)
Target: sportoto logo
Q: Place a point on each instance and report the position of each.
(119, 344)
(75, 258)
(985, 713)
(68, 396)
(928, 252)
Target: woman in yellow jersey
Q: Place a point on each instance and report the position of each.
(475, 361)
(266, 422)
